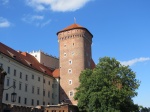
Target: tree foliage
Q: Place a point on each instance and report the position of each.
(109, 87)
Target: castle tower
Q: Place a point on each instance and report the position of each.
(75, 56)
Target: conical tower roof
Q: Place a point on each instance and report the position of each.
(73, 26)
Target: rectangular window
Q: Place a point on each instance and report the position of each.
(37, 102)
(70, 61)
(7, 81)
(14, 72)
(19, 99)
(26, 77)
(32, 76)
(70, 82)
(20, 75)
(25, 100)
(32, 102)
(49, 83)
(8, 70)
(26, 87)
(38, 78)
(43, 103)
(20, 86)
(43, 92)
(6, 97)
(71, 93)
(52, 95)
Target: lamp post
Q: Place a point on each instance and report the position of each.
(13, 95)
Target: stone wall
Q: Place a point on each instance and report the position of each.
(14, 108)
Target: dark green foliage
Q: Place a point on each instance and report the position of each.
(110, 87)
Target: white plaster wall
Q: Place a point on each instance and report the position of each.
(45, 59)
(6, 61)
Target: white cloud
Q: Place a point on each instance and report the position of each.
(57, 5)
(4, 23)
(45, 23)
(37, 20)
(32, 18)
(134, 61)
(4, 2)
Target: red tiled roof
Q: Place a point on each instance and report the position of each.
(74, 26)
(25, 59)
(56, 73)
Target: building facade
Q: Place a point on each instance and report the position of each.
(35, 83)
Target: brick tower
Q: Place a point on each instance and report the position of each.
(75, 55)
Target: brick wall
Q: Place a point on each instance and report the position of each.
(74, 46)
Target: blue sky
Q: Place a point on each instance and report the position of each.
(121, 29)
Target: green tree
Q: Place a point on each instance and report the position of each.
(109, 87)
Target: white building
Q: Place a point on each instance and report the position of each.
(45, 59)
(35, 83)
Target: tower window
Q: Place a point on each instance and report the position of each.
(70, 82)
(70, 61)
(69, 71)
(73, 44)
(64, 45)
(65, 54)
(71, 93)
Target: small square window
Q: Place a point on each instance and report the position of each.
(70, 61)
(70, 82)
(69, 71)
(71, 93)
(65, 54)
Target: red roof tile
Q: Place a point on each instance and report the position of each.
(25, 58)
(74, 26)
(56, 73)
